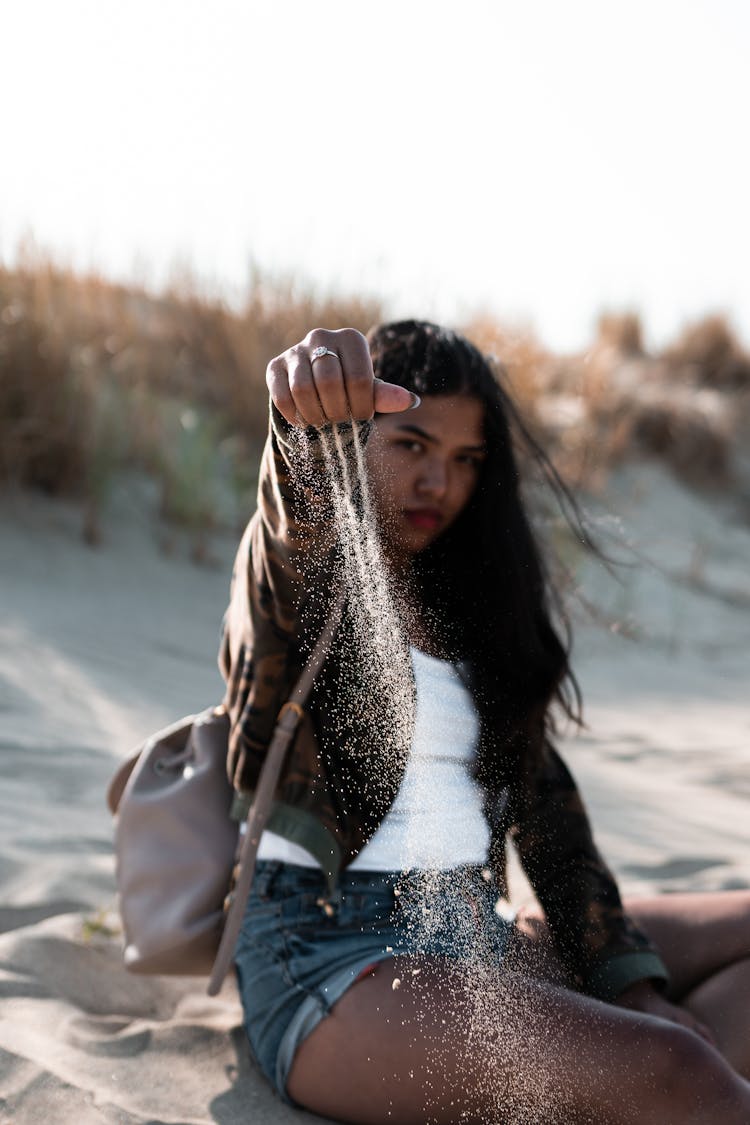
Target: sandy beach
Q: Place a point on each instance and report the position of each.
(100, 647)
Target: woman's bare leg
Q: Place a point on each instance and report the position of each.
(696, 934)
(446, 1045)
(723, 1003)
(704, 940)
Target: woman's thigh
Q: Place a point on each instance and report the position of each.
(697, 935)
(424, 1040)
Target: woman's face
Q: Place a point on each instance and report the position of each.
(423, 468)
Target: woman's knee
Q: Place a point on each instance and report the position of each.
(691, 1080)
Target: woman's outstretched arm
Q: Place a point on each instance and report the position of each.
(326, 378)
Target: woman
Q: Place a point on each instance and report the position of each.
(378, 982)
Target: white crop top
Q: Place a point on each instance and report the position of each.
(436, 821)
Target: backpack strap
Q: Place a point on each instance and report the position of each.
(286, 727)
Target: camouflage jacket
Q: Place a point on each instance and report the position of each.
(329, 799)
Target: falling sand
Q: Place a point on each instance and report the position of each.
(445, 909)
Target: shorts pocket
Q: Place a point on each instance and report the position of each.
(261, 917)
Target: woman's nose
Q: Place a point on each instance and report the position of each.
(433, 480)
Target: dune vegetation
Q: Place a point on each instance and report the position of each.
(99, 379)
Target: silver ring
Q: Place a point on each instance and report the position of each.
(319, 352)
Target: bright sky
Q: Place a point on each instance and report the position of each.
(538, 159)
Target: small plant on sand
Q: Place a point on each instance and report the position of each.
(108, 452)
(102, 924)
(190, 473)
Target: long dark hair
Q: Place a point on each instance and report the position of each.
(484, 582)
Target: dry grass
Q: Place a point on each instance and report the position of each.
(684, 407)
(621, 332)
(688, 407)
(692, 436)
(692, 431)
(709, 352)
(527, 367)
(97, 378)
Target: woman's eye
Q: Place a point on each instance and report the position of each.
(411, 445)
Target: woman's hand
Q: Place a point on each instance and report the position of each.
(644, 997)
(328, 377)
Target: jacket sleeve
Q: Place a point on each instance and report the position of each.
(598, 944)
(287, 541)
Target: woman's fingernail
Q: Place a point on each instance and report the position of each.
(416, 401)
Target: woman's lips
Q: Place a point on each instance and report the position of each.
(425, 519)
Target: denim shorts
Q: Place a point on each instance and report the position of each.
(299, 951)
